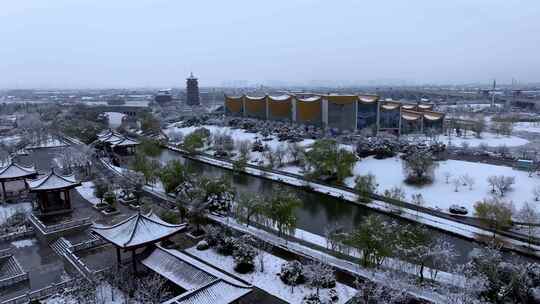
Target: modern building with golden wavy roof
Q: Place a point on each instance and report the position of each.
(343, 112)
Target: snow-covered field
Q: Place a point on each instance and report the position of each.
(10, 140)
(7, 211)
(268, 280)
(24, 243)
(86, 190)
(105, 294)
(488, 139)
(389, 173)
(240, 135)
(533, 127)
(49, 143)
(115, 119)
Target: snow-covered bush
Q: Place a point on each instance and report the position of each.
(213, 235)
(202, 245)
(292, 273)
(312, 298)
(244, 257)
(220, 202)
(319, 275)
(226, 246)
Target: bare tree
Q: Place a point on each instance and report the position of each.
(456, 182)
(447, 176)
(492, 181)
(244, 147)
(467, 180)
(319, 275)
(504, 183)
(151, 289)
(529, 216)
(536, 193)
(296, 151)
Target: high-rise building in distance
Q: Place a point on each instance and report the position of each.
(192, 91)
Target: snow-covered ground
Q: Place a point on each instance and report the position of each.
(268, 280)
(488, 139)
(23, 243)
(115, 119)
(86, 190)
(8, 210)
(105, 294)
(10, 140)
(239, 135)
(533, 127)
(49, 143)
(389, 173)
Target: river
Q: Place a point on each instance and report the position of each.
(317, 211)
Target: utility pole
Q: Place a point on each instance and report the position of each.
(493, 94)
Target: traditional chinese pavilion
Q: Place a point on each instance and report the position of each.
(53, 192)
(13, 172)
(136, 232)
(117, 143)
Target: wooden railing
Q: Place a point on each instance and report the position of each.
(17, 235)
(42, 293)
(19, 273)
(6, 252)
(94, 241)
(60, 226)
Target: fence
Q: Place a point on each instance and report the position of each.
(63, 247)
(19, 274)
(93, 242)
(47, 229)
(6, 252)
(42, 293)
(17, 235)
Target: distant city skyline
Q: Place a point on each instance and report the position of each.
(156, 44)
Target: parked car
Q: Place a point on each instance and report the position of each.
(456, 209)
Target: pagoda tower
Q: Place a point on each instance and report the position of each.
(192, 91)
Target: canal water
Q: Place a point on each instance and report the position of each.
(317, 211)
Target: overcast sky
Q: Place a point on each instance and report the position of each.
(134, 43)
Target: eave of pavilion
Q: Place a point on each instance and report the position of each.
(132, 233)
(52, 182)
(14, 171)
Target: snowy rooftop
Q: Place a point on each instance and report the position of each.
(125, 142)
(204, 283)
(137, 230)
(53, 181)
(217, 292)
(14, 170)
(280, 97)
(116, 139)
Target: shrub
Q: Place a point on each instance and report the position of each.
(226, 246)
(202, 245)
(319, 275)
(213, 235)
(110, 198)
(170, 217)
(244, 257)
(292, 273)
(312, 298)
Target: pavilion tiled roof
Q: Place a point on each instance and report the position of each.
(204, 283)
(125, 142)
(137, 230)
(14, 170)
(53, 181)
(116, 139)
